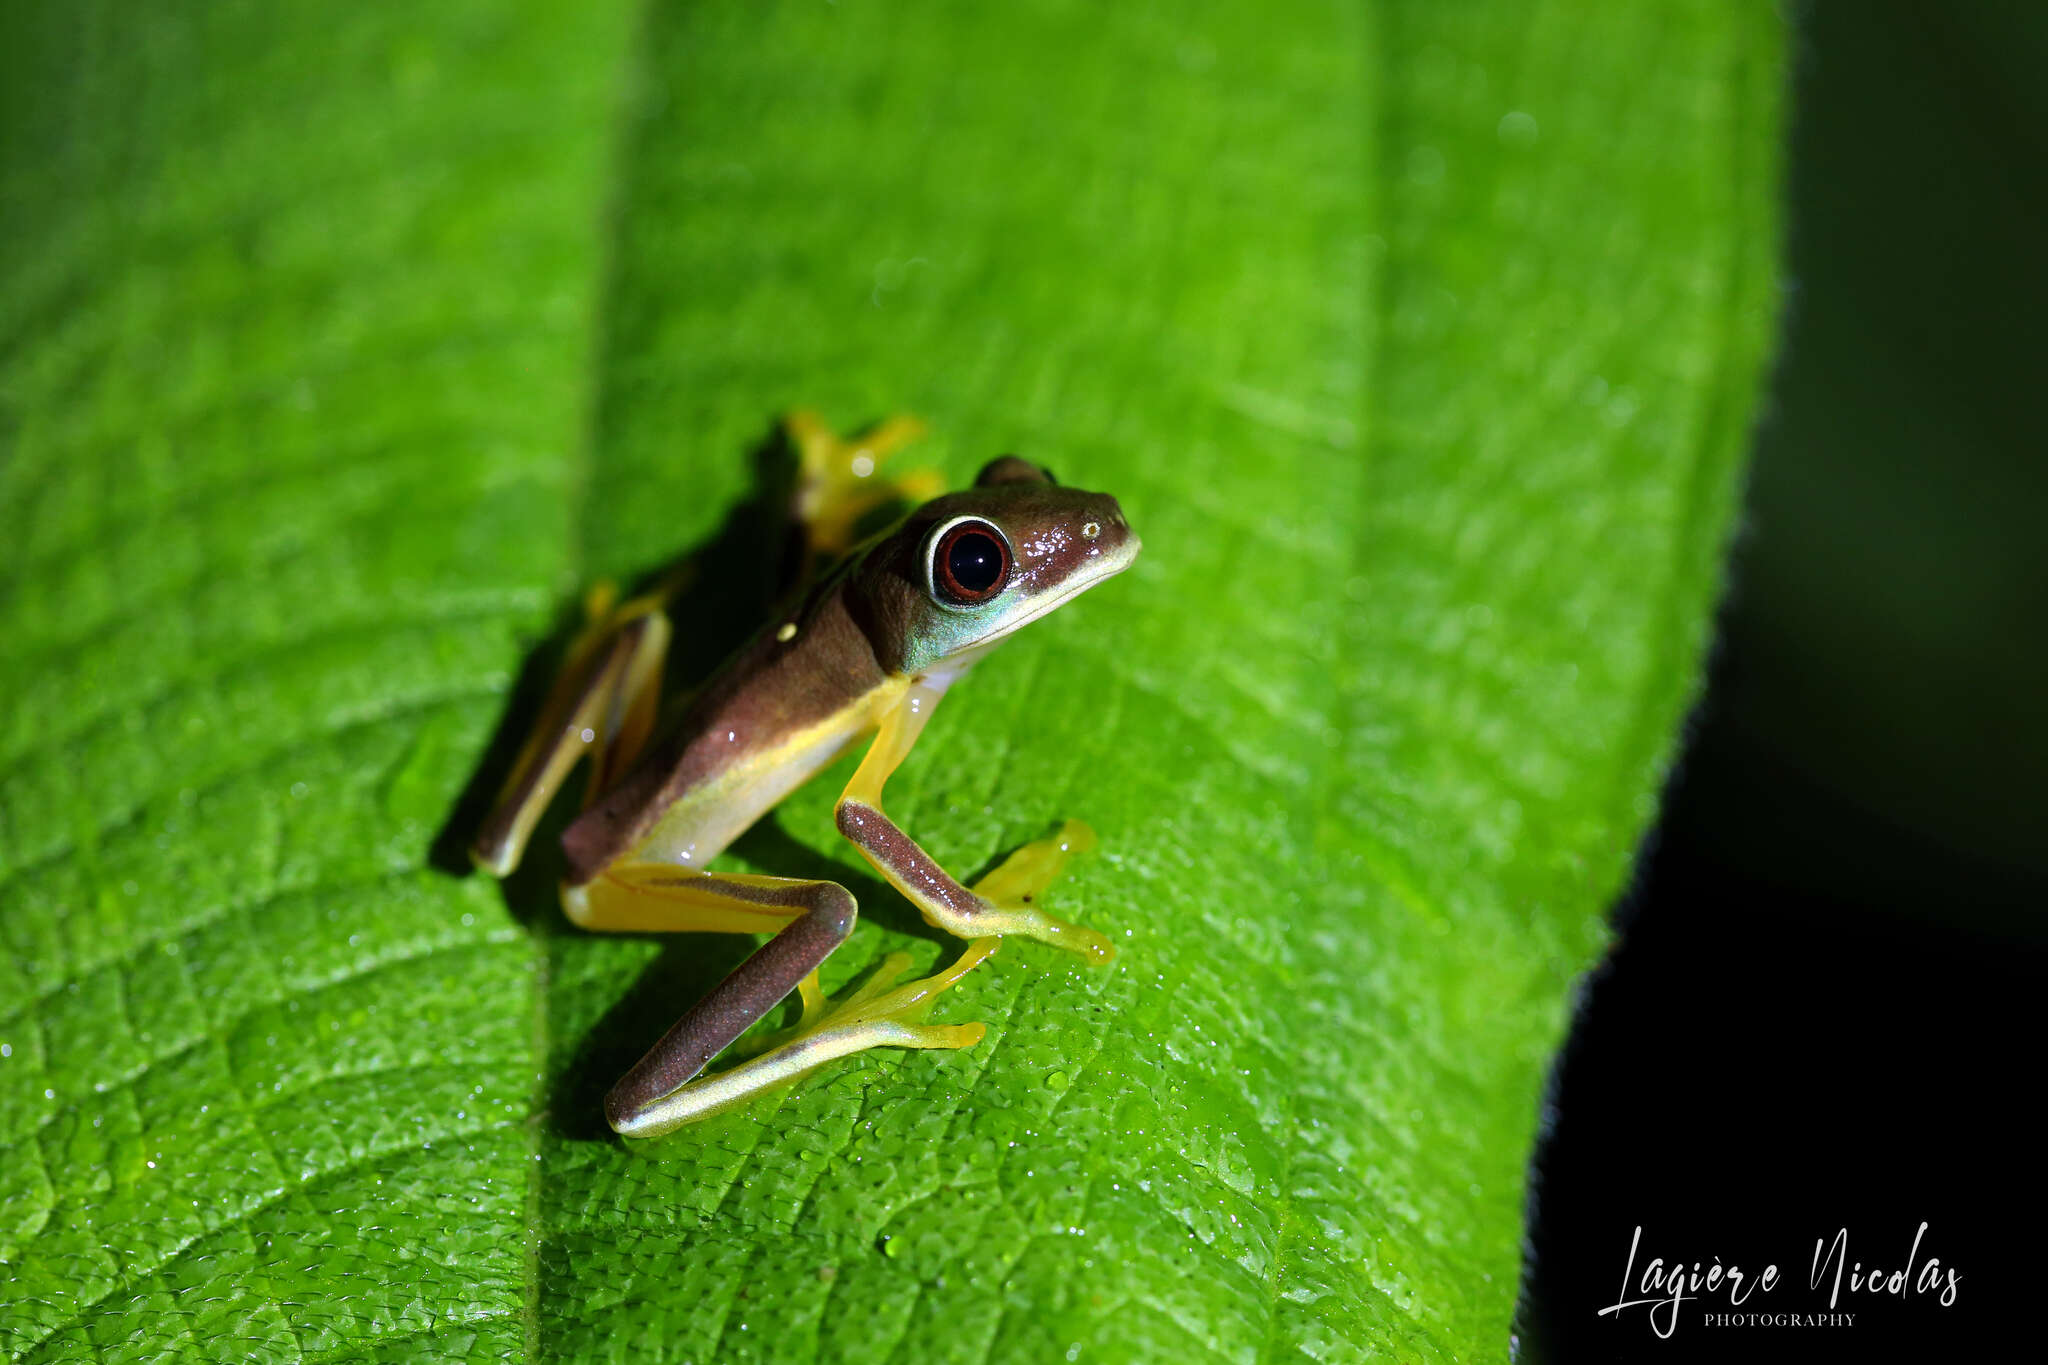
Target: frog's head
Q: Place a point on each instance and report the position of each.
(968, 568)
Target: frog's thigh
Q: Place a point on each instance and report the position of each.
(808, 918)
(811, 918)
(661, 898)
(658, 898)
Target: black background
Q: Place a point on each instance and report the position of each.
(1824, 1006)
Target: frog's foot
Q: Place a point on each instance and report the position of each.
(840, 482)
(1013, 889)
(878, 1013)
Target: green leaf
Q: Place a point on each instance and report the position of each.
(340, 345)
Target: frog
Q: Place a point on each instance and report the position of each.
(861, 652)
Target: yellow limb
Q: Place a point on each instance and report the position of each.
(667, 1087)
(840, 480)
(603, 704)
(1002, 903)
(661, 898)
(846, 1029)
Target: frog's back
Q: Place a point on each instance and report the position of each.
(773, 715)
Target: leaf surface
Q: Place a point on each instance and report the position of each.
(340, 348)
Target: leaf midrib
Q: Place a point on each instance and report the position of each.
(609, 211)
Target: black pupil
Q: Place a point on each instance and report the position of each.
(975, 561)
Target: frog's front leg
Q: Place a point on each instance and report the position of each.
(840, 481)
(809, 919)
(1000, 904)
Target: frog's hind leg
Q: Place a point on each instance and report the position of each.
(840, 482)
(603, 703)
(666, 1089)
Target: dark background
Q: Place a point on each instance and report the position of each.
(1824, 1007)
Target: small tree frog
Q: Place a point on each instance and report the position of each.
(867, 648)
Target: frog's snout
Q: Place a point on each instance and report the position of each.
(1114, 534)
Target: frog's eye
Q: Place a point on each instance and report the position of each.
(970, 563)
(1012, 469)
